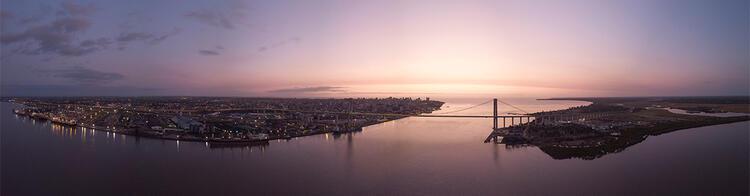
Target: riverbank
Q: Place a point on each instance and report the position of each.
(184, 136)
(631, 123)
(628, 136)
(695, 104)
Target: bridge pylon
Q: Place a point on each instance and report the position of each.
(494, 114)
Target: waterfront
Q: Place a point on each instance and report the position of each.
(221, 119)
(423, 156)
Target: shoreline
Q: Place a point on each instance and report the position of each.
(223, 143)
(593, 152)
(639, 121)
(691, 104)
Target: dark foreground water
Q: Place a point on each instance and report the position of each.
(414, 156)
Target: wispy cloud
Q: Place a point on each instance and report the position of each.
(208, 52)
(75, 90)
(85, 76)
(4, 15)
(58, 36)
(55, 37)
(228, 17)
(309, 89)
(101, 42)
(149, 38)
(126, 37)
(292, 40)
(163, 37)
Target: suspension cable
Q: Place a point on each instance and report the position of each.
(519, 109)
(464, 109)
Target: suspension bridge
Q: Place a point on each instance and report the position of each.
(451, 114)
(507, 120)
(497, 130)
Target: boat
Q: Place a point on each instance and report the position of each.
(236, 143)
(341, 131)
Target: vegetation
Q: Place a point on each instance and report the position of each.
(650, 122)
(708, 104)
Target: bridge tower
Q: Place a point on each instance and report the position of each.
(494, 115)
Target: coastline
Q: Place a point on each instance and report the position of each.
(221, 143)
(657, 121)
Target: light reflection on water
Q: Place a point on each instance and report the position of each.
(426, 156)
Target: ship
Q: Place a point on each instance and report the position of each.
(236, 143)
(341, 131)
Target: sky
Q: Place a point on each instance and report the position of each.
(382, 48)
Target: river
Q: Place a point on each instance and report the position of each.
(414, 156)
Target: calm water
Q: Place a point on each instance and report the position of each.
(724, 114)
(416, 156)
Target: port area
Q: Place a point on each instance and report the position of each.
(606, 126)
(224, 122)
(212, 142)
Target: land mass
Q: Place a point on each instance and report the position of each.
(222, 121)
(610, 125)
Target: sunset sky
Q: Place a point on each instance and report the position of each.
(375, 48)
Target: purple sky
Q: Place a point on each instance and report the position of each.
(375, 48)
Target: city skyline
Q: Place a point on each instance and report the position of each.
(383, 48)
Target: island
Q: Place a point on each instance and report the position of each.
(221, 121)
(610, 125)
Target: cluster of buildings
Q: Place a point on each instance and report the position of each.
(222, 119)
(584, 126)
(598, 123)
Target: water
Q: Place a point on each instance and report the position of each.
(723, 114)
(415, 156)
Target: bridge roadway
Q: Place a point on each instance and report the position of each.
(370, 114)
(281, 110)
(550, 116)
(553, 116)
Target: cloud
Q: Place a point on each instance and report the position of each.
(4, 15)
(309, 89)
(208, 52)
(101, 42)
(75, 90)
(212, 18)
(78, 9)
(229, 16)
(149, 38)
(85, 76)
(127, 37)
(292, 40)
(57, 30)
(159, 39)
(55, 37)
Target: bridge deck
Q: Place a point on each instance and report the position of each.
(468, 116)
